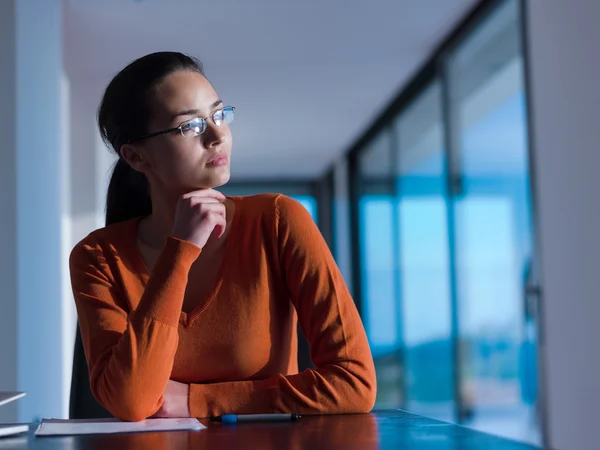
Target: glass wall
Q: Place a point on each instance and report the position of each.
(445, 237)
(377, 212)
(424, 258)
(492, 214)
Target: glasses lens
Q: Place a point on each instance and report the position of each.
(224, 115)
(193, 127)
(228, 114)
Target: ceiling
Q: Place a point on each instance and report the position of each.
(307, 78)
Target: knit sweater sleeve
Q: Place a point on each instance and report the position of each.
(129, 353)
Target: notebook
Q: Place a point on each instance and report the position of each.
(60, 427)
(9, 430)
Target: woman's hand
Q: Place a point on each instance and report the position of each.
(176, 401)
(198, 214)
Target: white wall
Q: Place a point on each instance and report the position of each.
(88, 168)
(37, 312)
(40, 154)
(90, 161)
(563, 39)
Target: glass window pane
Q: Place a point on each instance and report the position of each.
(492, 211)
(424, 260)
(380, 310)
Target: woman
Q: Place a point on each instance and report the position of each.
(188, 300)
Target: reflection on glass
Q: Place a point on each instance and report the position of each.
(493, 228)
(424, 259)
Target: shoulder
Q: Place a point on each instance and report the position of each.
(277, 207)
(102, 241)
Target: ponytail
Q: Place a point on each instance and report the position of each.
(128, 194)
(123, 116)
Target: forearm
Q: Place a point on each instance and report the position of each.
(165, 291)
(131, 357)
(129, 380)
(333, 389)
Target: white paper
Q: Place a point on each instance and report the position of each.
(13, 429)
(59, 427)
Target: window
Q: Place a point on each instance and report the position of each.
(445, 237)
(493, 236)
(424, 259)
(378, 267)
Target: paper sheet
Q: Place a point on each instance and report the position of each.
(60, 427)
(9, 430)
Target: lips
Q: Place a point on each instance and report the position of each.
(217, 160)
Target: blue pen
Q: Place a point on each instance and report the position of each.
(234, 418)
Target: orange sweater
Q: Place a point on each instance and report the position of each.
(238, 348)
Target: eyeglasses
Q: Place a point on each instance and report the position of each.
(197, 125)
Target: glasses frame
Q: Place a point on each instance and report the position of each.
(182, 124)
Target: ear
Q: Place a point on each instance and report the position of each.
(133, 155)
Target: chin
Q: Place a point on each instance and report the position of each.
(217, 180)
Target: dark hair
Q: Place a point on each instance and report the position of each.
(123, 115)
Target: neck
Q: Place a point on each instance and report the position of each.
(155, 229)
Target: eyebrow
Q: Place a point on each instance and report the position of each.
(196, 111)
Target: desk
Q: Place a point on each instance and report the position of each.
(379, 430)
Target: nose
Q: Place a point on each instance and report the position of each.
(213, 136)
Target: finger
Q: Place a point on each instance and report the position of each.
(204, 193)
(216, 208)
(217, 222)
(220, 227)
(202, 200)
(223, 227)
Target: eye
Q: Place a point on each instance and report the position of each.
(218, 117)
(193, 127)
(228, 114)
(224, 115)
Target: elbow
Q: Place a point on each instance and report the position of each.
(365, 397)
(133, 409)
(128, 407)
(369, 401)
(365, 388)
(131, 413)
(360, 398)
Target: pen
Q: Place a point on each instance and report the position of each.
(233, 418)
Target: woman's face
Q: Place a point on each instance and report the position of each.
(182, 164)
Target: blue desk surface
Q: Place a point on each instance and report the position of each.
(378, 430)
